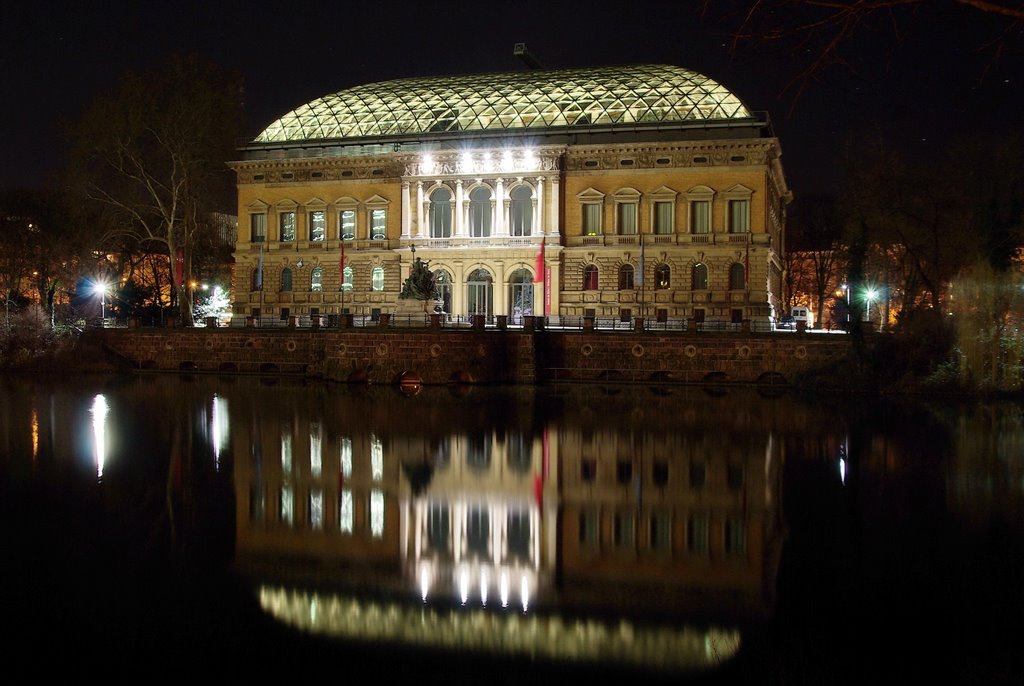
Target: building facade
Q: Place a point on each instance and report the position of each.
(621, 192)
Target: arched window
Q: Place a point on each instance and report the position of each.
(286, 279)
(737, 277)
(590, 277)
(347, 284)
(316, 279)
(522, 211)
(480, 212)
(479, 292)
(520, 300)
(699, 281)
(441, 213)
(377, 279)
(443, 281)
(662, 276)
(626, 277)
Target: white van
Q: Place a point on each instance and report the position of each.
(805, 315)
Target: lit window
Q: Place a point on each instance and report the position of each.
(377, 279)
(480, 212)
(700, 216)
(316, 279)
(590, 275)
(662, 276)
(346, 514)
(626, 218)
(347, 224)
(317, 225)
(521, 211)
(286, 279)
(739, 216)
(700, 277)
(737, 277)
(287, 506)
(347, 285)
(287, 226)
(258, 228)
(345, 456)
(663, 214)
(440, 213)
(591, 219)
(316, 509)
(378, 224)
(626, 277)
(377, 513)
(376, 458)
(315, 448)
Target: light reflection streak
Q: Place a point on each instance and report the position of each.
(219, 428)
(35, 434)
(100, 409)
(654, 647)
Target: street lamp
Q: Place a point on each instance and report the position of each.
(102, 287)
(869, 295)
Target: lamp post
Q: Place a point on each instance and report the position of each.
(869, 295)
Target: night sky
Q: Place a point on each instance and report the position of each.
(919, 80)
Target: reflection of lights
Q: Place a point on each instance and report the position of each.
(424, 581)
(483, 586)
(842, 470)
(99, 431)
(464, 585)
(524, 591)
(35, 434)
(503, 588)
(219, 428)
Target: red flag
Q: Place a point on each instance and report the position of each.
(538, 270)
(341, 264)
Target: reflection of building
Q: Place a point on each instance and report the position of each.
(637, 190)
(579, 514)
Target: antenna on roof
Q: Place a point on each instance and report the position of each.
(526, 56)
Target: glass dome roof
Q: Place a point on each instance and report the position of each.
(512, 100)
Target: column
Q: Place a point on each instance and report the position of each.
(406, 211)
(538, 211)
(460, 223)
(500, 294)
(420, 208)
(500, 218)
(551, 222)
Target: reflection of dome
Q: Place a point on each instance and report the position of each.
(594, 97)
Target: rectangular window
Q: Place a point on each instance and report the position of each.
(347, 224)
(317, 225)
(739, 216)
(257, 228)
(378, 224)
(316, 509)
(735, 536)
(377, 513)
(627, 219)
(700, 216)
(663, 212)
(624, 529)
(346, 519)
(661, 531)
(287, 226)
(589, 528)
(697, 534)
(591, 219)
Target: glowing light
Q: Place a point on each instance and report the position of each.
(424, 582)
(464, 586)
(524, 591)
(100, 409)
(483, 587)
(503, 589)
(842, 470)
(219, 428)
(35, 434)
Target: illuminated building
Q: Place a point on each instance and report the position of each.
(646, 191)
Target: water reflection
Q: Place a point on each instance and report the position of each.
(631, 528)
(630, 514)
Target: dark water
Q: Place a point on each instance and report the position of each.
(257, 528)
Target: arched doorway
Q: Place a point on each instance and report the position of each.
(479, 292)
(520, 300)
(443, 282)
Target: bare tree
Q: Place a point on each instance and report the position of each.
(152, 156)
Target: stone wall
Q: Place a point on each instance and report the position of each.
(488, 356)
